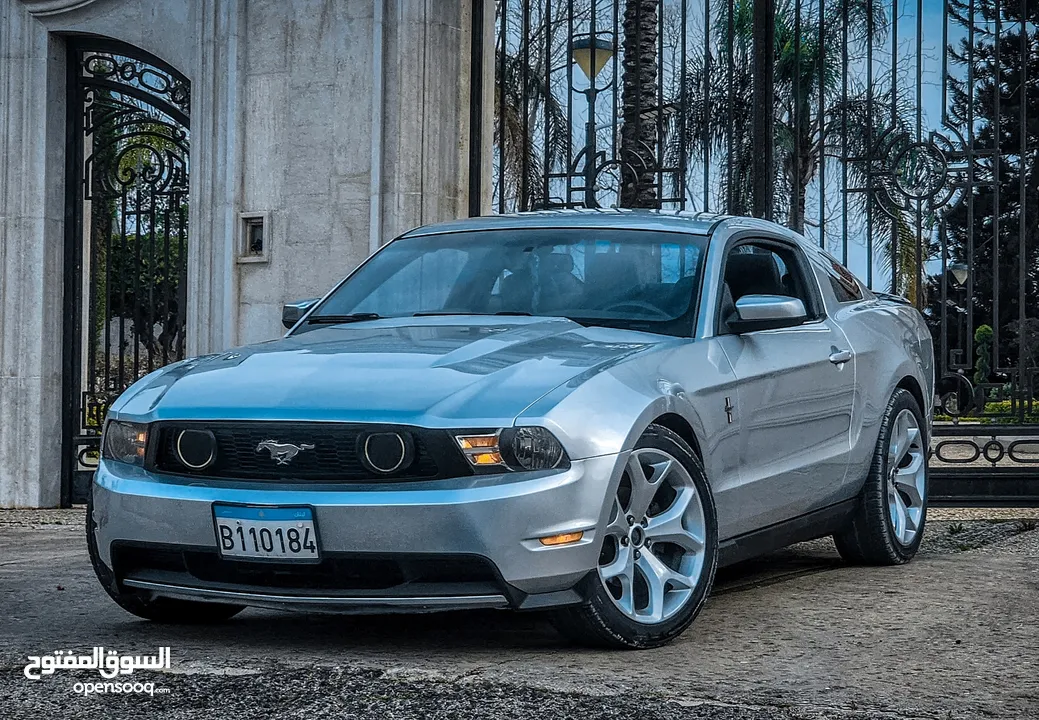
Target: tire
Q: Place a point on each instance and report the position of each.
(161, 610)
(677, 545)
(873, 536)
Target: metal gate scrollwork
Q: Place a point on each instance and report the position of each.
(127, 196)
(901, 135)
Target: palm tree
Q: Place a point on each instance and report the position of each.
(522, 101)
(812, 50)
(531, 125)
(727, 109)
(639, 94)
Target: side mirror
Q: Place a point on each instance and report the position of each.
(766, 312)
(292, 312)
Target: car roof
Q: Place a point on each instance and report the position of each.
(668, 220)
(678, 221)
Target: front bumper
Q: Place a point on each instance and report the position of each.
(403, 546)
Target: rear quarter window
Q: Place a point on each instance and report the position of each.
(845, 285)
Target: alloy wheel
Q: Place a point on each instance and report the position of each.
(653, 551)
(907, 477)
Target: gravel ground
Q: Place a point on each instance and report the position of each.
(943, 537)
(340, 692)
(1025, 544)
(950, 513)
(25, 517)
(797, 635)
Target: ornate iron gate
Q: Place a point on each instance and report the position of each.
(901, 135)
(126, 235)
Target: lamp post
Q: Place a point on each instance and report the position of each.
(959, 272)
(591, 53)
(959, 277)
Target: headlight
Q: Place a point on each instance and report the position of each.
(532, 448)
(522, 448)
(125, 442)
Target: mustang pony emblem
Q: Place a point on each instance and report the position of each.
(283, 453)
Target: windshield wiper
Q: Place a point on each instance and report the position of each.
(513, 313)
(440, 313)
(337, 319)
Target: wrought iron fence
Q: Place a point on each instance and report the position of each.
(900, 135)
(127, 195)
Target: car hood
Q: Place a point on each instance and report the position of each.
(423, 371)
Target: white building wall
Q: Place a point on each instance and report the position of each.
(309, 162)
(286, 95)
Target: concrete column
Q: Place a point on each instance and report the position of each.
(425, 163)
(32, 215)
(32, 104)
(356, 128)
(214, 192)
(343, 122)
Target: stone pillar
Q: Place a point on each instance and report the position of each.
(32, 215)
(426, 114)
(356, 120)
(215, 184)
(344, 122)
(32, 116)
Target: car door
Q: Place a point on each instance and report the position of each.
(794, 388)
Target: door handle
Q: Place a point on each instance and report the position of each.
(841, 356)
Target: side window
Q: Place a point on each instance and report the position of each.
(845, 285)
(762, 268)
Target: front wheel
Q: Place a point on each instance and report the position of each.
(888, 525)
(659, 551)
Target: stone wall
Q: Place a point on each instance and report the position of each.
(342, 122)
(31, 249)
(310, 162)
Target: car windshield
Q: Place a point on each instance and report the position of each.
(636, 279)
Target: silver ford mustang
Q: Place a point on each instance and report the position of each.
(580, 411)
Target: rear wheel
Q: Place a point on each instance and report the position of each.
(659, 551)
(888, 525)
(163, 610)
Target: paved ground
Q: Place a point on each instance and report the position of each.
(797, 635)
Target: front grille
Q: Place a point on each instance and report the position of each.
(334, 457)
(340, 573)
(399, 574)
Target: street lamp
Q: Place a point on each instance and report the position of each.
(959, 272)
(591, 53)
(959, 277)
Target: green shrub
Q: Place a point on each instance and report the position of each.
(982, 353)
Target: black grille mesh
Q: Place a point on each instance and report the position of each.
(402, 573)
(334, 457)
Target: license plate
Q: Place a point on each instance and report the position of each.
(266, 533)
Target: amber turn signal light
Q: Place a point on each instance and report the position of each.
(481, 449)
(564, 539)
